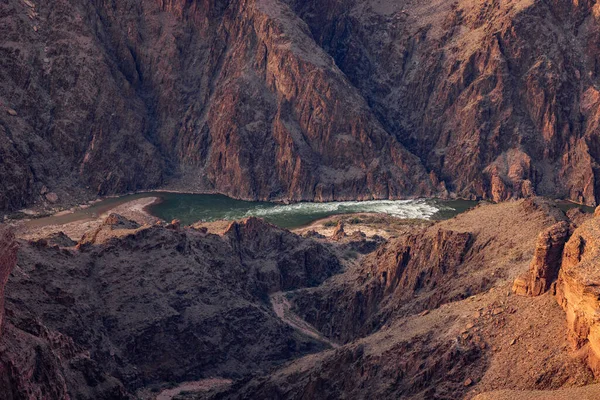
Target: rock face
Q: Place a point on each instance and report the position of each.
(104, 319)
(416, 263)
(577, 290)
(158, 78)
(546, 261)
(299, 100)
(489, 96)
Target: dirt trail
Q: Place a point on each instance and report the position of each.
(203, 385)
(283, 309)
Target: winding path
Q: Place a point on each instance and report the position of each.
(283, 309)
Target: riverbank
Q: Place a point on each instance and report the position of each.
(371, 224)
(75, 225)
(215, 212)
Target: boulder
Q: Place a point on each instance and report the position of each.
(52, 197)
(175, 224)
(313, 234)
(339, 232)
(116, 221)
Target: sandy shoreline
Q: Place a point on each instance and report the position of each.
(135, 210)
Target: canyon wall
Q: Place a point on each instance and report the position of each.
(273, 99)
(429, 315)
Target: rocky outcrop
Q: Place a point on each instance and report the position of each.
(408, 368)
(298, 100)
(425, 315)
(577, 216)
(283, 261)
(338, 232)
(288, 105)
(577, 291)
(112, 226)
(546, 262)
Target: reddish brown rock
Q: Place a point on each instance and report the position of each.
(116, 221)
(577, 216)
(313, 234)
(546, 262)
(495, 99)
(102, 321)
(295, 128)
(51, 197)
(577, 290)
(339, 232)
(113, 225)
(418, 319)
(174, 224)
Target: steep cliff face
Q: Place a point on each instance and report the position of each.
(232, 97)
(577, 291)
(431, 316)
(498, 98)
(414, 264)
(546, 262)
(273, 99)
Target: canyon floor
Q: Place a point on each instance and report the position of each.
(352, 306)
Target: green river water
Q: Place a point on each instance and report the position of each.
(190, 208)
